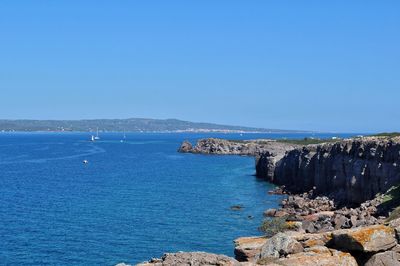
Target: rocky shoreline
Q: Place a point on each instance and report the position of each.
(340, 207)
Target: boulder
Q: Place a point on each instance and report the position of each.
(387, 258)
(318, 256)
(280, 213)
(192, 259)
(340, 221)
(309, 227)
(248, 248)
(280, 245)
(312, 240)
(395, 224)
(270, 213)
(373, 238)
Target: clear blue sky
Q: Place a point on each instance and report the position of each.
(318, 65)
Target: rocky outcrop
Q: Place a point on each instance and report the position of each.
(238, 147)
(191, 259)
(350, 171)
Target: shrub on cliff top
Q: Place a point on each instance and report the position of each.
(270, 227)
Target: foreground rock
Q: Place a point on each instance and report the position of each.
(317, 256)
(248, 248)
(365, 239)
(280, 245)
(191, 259)
(388, 258)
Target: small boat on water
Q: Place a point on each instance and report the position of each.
(97, 135)
(93, 137)
(85, 161)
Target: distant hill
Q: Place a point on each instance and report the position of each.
(128, 125)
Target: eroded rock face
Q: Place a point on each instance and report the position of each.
(192, 259)
(351, 171)
(365, 239)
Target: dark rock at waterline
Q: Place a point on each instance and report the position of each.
(237, 207)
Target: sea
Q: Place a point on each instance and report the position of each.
(135, 198)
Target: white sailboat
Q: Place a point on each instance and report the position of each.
(97, 135)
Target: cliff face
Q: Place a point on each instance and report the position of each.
(350, 171)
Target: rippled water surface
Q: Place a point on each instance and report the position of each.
(134, 199)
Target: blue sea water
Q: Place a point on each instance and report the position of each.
(134, 199)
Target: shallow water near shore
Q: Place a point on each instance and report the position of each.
(134, 199)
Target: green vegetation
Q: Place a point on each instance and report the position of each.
(304, 141)
(394, 214)
(307, 141)
(387, 134)
(393, 194)
(275, 225)
(391, 203)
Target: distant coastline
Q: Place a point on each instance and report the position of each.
(137, 125)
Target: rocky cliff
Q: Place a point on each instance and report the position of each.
(350, 171)
(238, 147)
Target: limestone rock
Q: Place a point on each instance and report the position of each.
(279, 245)
(366, 239)
(395, 224)
(387, 258)
(312, 240)
(319, 256)
(248, 248)
(270, 213)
